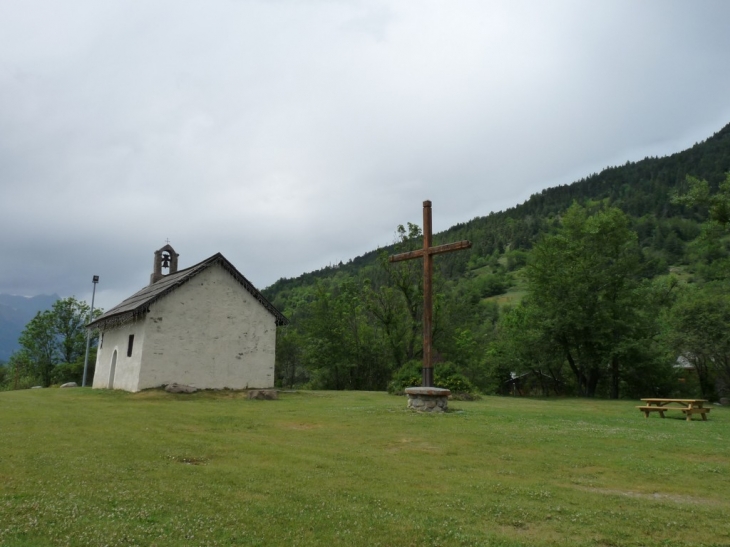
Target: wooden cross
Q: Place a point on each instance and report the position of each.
(427, 253)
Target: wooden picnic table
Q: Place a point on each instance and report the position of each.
(688, 406)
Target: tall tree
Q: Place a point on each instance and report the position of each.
(523, 346)
(288, 357)
(715, 207)
(69, 318)
(698, 330)
(699, 196)
(394, 297)
(583, 283)
(56, 336)
(39, 342)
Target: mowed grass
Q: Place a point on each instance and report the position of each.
(83, 467)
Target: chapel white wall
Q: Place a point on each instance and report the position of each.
(126, 371)
(209, 333)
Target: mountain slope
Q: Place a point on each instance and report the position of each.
(641, 189)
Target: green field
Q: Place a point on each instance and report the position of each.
(83, 467)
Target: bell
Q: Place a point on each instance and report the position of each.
(166, 261)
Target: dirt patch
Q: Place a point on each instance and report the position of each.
(414, 445)
(301, 427)
(189, 460)
(657, 496)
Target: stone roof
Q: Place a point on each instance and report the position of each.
(139, 303)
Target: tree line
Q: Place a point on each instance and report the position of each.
(601, 314)
(52, 348)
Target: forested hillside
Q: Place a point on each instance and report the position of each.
(641, 189)
(357, 325)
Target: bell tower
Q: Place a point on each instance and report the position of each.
(166, 258)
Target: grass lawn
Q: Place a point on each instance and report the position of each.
(83, 467)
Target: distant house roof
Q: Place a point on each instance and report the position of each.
(514, 377)
(683, 362)
(139, 303)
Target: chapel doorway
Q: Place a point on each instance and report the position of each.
(112, 370)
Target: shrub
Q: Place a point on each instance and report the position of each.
(406, 376)
(516, 259)
(492, 285)
(22, 382)
(445, 376)
(74, 372)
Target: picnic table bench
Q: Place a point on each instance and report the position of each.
(688, 406)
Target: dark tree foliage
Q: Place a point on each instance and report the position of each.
(583, 284)
(53, 344)
(698, 331)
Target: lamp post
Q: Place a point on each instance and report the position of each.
(95, 280)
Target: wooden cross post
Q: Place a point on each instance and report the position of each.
(427, 253)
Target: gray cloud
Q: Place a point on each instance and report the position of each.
(293, 134)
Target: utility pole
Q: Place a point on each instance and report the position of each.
(88, 331)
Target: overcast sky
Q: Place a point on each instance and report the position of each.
(291, 134)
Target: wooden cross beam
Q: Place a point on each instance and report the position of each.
(427, 253)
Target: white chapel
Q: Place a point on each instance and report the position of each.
(206, 326)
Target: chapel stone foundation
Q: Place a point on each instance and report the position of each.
(428, 399)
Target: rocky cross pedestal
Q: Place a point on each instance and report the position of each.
(428, 399)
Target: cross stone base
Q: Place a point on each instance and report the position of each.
(428, 399)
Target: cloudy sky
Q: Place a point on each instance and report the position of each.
(291, 134)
